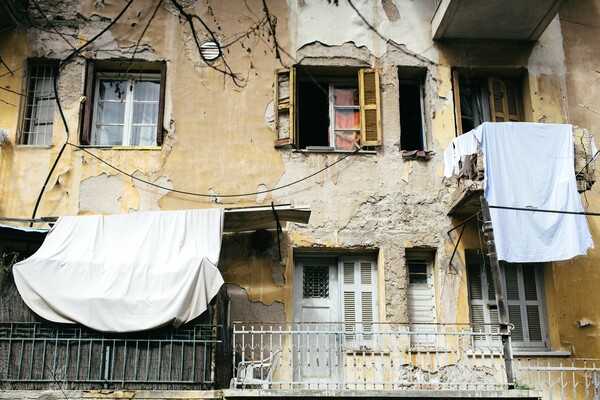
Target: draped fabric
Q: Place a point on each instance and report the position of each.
(530, 165)
(124, 273)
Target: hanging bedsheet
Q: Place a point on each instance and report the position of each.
(124, 273)
(530, 165)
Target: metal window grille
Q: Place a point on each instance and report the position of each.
(316, 282)
(39, 107)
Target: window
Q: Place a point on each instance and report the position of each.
(327, 109)
(334, 289)
(124, 107)
(525, 298)
(38, 116)
(485, 99)
(412, 110)
(421, 296)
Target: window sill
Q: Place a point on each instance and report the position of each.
(540, 353)
(137, 148)
(34, 146)
(331, 150)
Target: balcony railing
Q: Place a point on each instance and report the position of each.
(558, 378)
(366, 356)
(34, 354)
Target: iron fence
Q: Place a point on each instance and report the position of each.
(560, 378)
(366, 356)
(77, 357)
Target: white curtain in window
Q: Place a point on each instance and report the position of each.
(124, 273)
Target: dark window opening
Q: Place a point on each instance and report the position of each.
(313, 111)
(411, 115)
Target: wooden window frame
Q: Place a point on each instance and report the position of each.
(286, 110)
(93, 71)
(498, 89)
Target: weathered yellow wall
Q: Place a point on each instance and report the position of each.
(217, 142)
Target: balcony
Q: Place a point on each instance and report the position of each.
(37, 355)
(516, 20)
(378, 356)
(465, 198)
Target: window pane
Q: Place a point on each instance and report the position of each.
(112, 89)
(347, 119)
(39, 107)
(146, 91)
(109, 135)
(345, 96)
(143, 136)
(346, 140)
(111, 113)
(145, 113)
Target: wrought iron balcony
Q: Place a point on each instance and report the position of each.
(376, 356)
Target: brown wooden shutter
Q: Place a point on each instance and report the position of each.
(370, 114)
(161, 104)
(505, 104)
(457, 109)
(285, 107)
(88, 108)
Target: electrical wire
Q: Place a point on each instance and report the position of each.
(213, 195)
(593, 214)
(59, 106)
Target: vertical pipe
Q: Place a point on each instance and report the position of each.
(497, 277)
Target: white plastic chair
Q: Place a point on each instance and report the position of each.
(252, 373)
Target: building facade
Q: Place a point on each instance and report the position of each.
(341, 108)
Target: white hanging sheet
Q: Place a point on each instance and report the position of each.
(530, 165)
(124, 273)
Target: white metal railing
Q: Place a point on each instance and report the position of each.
(560, 378)
(366, 356)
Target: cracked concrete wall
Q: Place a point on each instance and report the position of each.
(218, 139)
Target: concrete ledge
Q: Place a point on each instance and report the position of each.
(400, 393)
(257, 393)
(110, 394)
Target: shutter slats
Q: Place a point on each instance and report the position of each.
(366, 277)
(529, 283)
(348, 273)
(284, 107)
(475, 290)
(512, 283)
(514, 316)
(370, 114)
(534, 325)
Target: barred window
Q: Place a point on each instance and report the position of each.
(38, 115)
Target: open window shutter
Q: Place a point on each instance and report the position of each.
(477, 304)
(161, 104)
(533, 306)
(498, 101)
(513, 102)
(457, 109)
(285, 107)
(505, 101)
(88, 108)
(370, 114)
